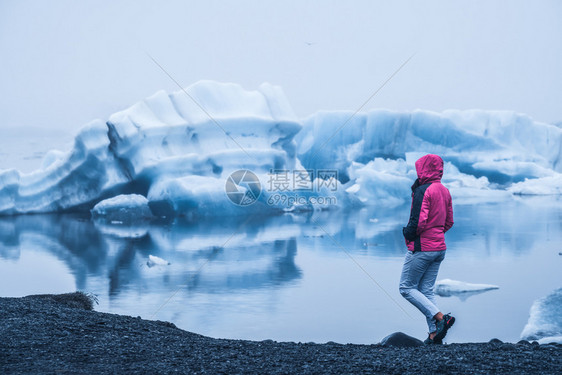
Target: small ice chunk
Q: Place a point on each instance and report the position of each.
(156, 261)
(122, 209)
(550, 185)
(448, 287)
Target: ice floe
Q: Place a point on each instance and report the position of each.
(461, 289)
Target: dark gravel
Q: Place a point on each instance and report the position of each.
(59, 334)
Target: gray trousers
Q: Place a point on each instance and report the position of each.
(418, 280)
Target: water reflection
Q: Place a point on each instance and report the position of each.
(216, 256)
(73, 239)
(209, 257)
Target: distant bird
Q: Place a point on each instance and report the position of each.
(310, 43)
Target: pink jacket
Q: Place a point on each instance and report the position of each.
(431, 214)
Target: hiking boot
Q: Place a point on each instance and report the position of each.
(429, 341)
(443, 326)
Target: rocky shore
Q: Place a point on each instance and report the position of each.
(62, 334)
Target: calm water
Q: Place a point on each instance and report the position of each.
(292, 278)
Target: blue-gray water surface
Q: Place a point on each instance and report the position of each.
(327, 276)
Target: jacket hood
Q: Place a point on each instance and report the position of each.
(429, 168)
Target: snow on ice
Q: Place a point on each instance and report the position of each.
(177, 151)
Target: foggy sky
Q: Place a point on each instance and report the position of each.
(65, 63)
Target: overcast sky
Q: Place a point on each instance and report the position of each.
(64, 63)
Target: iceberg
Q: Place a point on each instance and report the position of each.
(504, 147)
(461, 289)
(188, 153)
(545, 320)
(163, 146)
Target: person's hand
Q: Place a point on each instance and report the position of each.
(416, 184)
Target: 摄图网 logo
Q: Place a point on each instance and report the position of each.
(243, 187)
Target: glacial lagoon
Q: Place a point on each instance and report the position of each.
(323, 276)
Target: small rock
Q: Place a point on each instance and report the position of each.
(495, 341)
(401, 340)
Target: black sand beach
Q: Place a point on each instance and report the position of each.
(61, 334)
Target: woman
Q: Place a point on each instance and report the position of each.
(431, 215)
